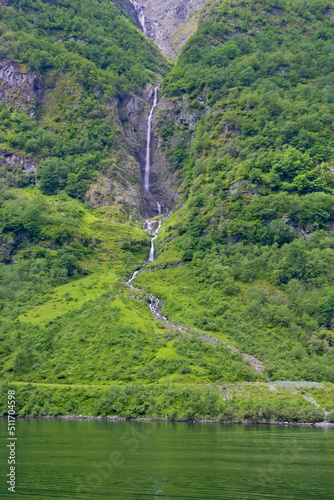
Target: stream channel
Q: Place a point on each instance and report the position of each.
(152, 226)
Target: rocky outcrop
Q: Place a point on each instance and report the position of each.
(129, 9)
(19, 87)
(170, 22)
(133, 114)
(7, 247)
(122, 196)
(163, 182)
(244, 187)
(17, 160)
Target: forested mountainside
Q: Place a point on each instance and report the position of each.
(73, 74)
(241, 166)
(250, 127)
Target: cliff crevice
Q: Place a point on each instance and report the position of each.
(169, 23)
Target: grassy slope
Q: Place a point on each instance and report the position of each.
(229, 402)
(95, 331)
(91, 327)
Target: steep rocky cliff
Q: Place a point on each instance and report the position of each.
(169, 23)
(20, 87)
(122, 182)
(59, 103)
(75, 95)
(119, 184)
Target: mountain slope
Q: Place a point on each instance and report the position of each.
(75, 68)
(247, 124)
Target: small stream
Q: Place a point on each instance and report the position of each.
(152, 226)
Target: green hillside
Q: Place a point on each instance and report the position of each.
(244, 264)
(85, 56)
(255, 228)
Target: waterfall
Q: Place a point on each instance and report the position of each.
(132, 278)
(155, 307)
(151, 256)
(149, 227)
(152, 249)
(148, 144)
(141, 16)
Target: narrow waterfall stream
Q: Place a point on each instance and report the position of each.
(153, 226)
(148, 143)
(141, 16)
(149, 225)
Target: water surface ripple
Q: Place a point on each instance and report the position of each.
(90, 459)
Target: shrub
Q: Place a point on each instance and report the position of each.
(330, 417)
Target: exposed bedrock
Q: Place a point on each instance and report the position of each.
(169, 22)
(134, 112)
(19, 87)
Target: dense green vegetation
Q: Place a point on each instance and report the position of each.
(231, 402)
(48, 242)
(256, 156)
(90, 40)
(85, 55)
(263, 74)
(68, 160)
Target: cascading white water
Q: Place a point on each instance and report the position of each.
(152, 249)
(141, 16)
(155, 307)
(132, 278)
(149, 227)
(148, 144)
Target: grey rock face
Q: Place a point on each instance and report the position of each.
(19, 87)
(170, 22)
(133, 107)
(121, 184)
(245, 187)
(133, 114)
(163, 184)
(16, 160)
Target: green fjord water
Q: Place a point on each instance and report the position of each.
(91, 459)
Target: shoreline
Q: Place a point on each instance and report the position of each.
(323, 424)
